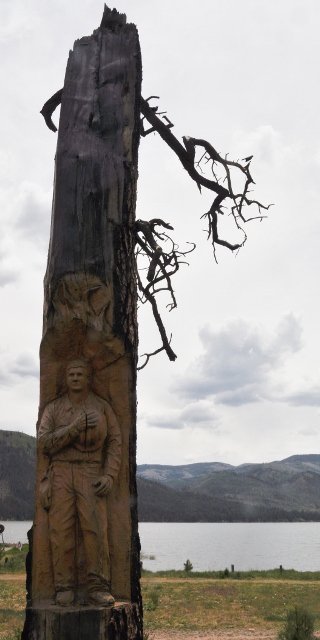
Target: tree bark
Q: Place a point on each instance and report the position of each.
(90, 302)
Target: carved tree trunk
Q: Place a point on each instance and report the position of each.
(90, 309)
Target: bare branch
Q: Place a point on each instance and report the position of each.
(162, 266)
(149, 355)
(187, 156)
(165, 342)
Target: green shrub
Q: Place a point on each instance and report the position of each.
(153, 595)
(299, 625)
(188, 566)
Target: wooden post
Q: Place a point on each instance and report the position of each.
(281, 569)
(232, 568)
(90, 313)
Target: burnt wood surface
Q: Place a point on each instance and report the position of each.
(122, 622)
(90, 297)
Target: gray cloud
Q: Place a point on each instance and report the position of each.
(7, 276)
(194, 415)
(305, 398)
(24, 366)
(32, 219)
(4, 379)
(239, 360)
(166, 421)
(309, 431)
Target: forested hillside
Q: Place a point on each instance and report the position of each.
(283, 491)
(159, 503)
(17, 475)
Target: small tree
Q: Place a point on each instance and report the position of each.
(188, 566)
(299, 625)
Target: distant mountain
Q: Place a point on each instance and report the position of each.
(168, 474)
(290, 485)
(165, 473)
(17, 475)
(285, 490)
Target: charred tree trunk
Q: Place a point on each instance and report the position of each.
(90, 313)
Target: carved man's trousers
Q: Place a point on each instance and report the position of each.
(78, 528)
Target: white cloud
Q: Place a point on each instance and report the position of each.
(24, 230)
(17, 18)
(239, 361)
(32, 213)
(267, 146)
(8, 273)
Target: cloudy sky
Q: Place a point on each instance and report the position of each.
(244, 74)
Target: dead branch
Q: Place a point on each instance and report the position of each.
(162, 266)
(187, 156)
(148, 356)
(49, 107)
(145, 132)
(165, 342)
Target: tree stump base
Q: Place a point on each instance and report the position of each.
(51, 622)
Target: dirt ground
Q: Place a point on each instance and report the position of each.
(230, 634)
(216, 635)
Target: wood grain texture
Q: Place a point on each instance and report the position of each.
(122, 622)
(90, 288)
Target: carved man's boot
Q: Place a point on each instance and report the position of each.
(101, 598)
(65, 598)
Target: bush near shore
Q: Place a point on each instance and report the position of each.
(274, 574)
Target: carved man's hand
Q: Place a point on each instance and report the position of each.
(104, 485)
(92, 419)
(80, 421)
(83, 420)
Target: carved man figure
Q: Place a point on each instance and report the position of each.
(80, 433)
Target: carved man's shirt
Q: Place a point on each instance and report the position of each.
(62, 442)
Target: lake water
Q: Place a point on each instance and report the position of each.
(15, 531)
(215, 546)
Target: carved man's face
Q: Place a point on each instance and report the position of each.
(77, 379)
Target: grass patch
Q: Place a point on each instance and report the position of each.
(174, 600)
(273, 574)
(12, 606)
(222, 604)
(13, 560)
